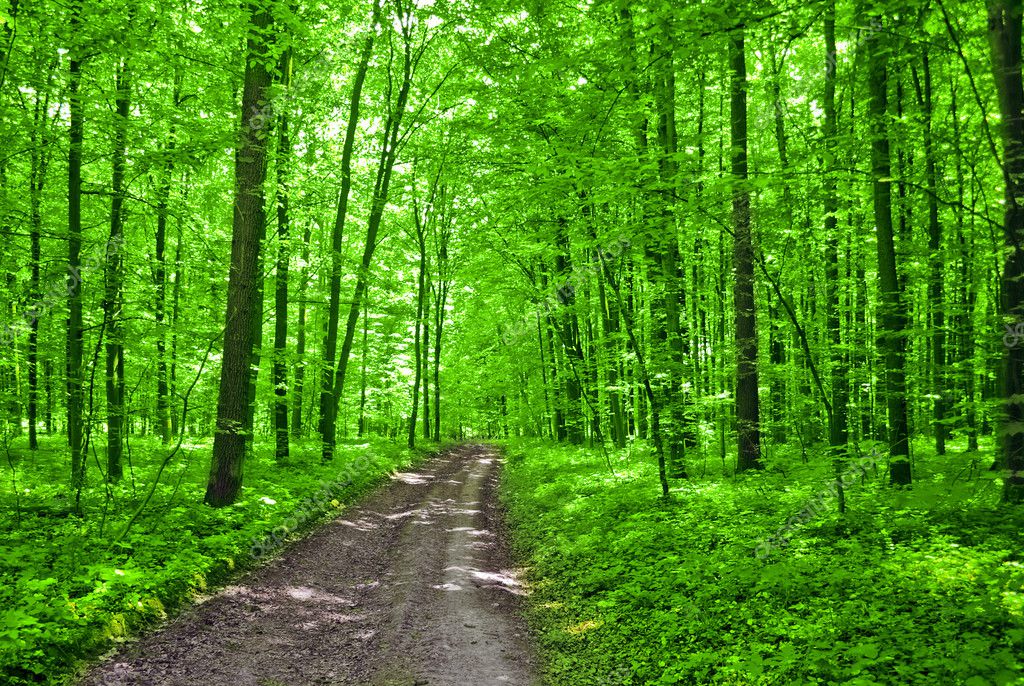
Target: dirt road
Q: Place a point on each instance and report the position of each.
(412, 587)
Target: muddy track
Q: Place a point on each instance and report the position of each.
(414, 586)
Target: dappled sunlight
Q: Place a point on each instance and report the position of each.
(412, 478)
(361, 524)
(305, 593)
(464, 577)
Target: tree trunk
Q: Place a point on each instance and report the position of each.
(75, 392)
(362, 367)
(329, 403)
(936, 259)
(747, 401)
(386, 163)
(417, 337)
(1004, 23)
(113, 300)
(280, 374)
(163, 400)
(39, 160)
(243, 308)
(444, 283)
(838, 430)
(891, 318)
(300, 340)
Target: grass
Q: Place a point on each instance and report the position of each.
(924, 586)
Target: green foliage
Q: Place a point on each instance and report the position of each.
(629, 589)
(71, 587)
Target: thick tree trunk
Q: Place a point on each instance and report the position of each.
(747, 401)
(1004, 24)
(243, 308)
(891, 317)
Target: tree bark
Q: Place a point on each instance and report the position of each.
(838, 429)
(386, 164)
(243, 308)
(747, 401)
(891, 317)
(113, 300)
(75, 390)
(300, 340)
(1004, 25)
(280, 373)
(328, 401)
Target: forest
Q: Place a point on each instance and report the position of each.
(733, 292)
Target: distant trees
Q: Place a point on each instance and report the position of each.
(622, 235)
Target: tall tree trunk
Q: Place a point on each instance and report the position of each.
(163, 399)
(680, 434)
(441, 301)
(386, 164)
(172, 372)
(300, 340)
(243, 308)
(113, 300)
(967, 290)
(747, 401)
(936, 258)
(838, 430)
(425, 352)
(1004, 25)
(39, 160)
(280, 374)
(418, 337)
(891, 318)
(362, 367)
(75, 392)
(329, 403)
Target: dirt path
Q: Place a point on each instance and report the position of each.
(412, 587)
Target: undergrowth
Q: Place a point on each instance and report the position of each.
(72, 587)
(914, 587)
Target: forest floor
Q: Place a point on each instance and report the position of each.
(414, 586)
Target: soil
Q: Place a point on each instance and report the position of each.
(412, 587)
